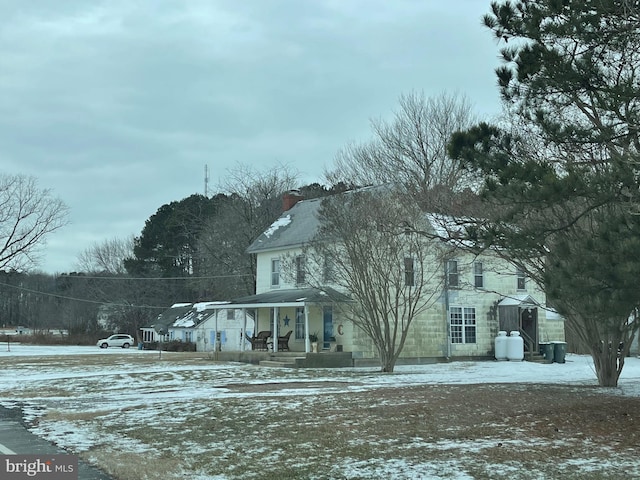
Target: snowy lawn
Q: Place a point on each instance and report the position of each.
(139, 415)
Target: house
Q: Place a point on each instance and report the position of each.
(198, 323)
(22, 330)
(480, 296)
(159, 329)
(204, 319)
(285, 305)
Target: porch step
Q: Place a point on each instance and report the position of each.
(286, 362)
(536, 358)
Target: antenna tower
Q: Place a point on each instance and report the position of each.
(206, 181)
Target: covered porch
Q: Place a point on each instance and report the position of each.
(520, 313)
(286, 319)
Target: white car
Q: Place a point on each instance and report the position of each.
(117, 340)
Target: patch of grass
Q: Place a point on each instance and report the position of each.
(35, 392)
(123, 465)
(275, 424)
(57, 415)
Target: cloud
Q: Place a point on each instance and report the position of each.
(117, 105)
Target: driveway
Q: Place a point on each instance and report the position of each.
(16, 439)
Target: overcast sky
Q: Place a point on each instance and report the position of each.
(118, 105)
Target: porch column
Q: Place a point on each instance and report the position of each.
(243, 334)
(274, 338)
(307, 342)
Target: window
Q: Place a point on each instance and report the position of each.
(478, 275)
(300, 269)
(231, 314)
(188, 336)
(299, 327)
(463, 324)
(328, 270)
(521, 279)
(275, 272)
(409, 272)
(452, 273)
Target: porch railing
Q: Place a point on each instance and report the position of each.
(529, 342)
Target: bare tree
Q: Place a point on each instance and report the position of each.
(107, 257)
(254, 200)
(126, 303)
(28, 215)
(411, 150)
(368, 247)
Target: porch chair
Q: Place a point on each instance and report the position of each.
(283, 342)
(259, 341)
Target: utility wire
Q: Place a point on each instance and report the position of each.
(107, 277)
(64, 297)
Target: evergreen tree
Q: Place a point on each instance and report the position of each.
(561, 177)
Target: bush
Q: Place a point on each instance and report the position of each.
(172, 346)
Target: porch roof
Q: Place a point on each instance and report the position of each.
(520, 300)
(296, 297)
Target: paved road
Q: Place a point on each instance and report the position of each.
(16, 439)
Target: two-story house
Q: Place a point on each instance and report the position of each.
(480, 295)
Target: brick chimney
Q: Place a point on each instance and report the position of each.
(290, 198)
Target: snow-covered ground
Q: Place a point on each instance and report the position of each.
(26, 350)
(142, 386)
(578, 370)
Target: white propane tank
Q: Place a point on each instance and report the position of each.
(501, 345)
(515, 346)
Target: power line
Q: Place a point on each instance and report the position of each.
(64, 297)
(108, 277)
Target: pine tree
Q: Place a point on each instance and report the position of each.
(562, 176)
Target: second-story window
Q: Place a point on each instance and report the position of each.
(521, 279)
(452, 273)
(275, 272)
(301, 268)
(328, 270)
(409, 272)
(478, 275)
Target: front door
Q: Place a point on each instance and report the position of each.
(327, 321)
(529, 326)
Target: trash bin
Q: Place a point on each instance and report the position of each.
(140, 346)
(559, 351)
(541, 347)
(547, 349)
